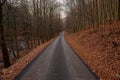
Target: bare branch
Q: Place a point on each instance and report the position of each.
(3, 2)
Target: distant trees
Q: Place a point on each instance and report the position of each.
(44, 15)
(32, 21)
(86, 13)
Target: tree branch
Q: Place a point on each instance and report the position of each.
(3, 2)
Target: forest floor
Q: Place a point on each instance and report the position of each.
(14, 70)
(13, 59)
(100, 49)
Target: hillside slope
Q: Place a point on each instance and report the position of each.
(100, 49)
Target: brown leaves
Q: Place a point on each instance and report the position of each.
(11, 72)
(100, 49)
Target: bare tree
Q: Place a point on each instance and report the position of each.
(3, 44)
(119, 10)
(86, 13)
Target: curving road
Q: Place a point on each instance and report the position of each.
(57, 62)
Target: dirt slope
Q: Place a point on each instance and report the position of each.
(100, 49)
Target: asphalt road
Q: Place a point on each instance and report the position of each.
(57, 62)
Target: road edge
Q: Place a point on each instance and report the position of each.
(81, 59)
(15, 70)
(29, 65)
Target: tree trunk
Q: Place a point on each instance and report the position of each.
(119, 10)
(15, 32)
(3, 44)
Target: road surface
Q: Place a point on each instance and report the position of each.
(57, 62)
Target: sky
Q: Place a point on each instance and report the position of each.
(63, 7)
(60, 1)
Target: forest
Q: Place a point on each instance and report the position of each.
(93, 31)
(91, 13)
(90, 27)
(34, 22)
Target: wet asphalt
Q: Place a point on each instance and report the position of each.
(57, 62)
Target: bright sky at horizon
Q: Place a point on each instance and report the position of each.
(61, 1)
(63, 14)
